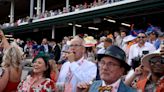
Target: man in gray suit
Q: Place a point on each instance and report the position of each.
(112, 66)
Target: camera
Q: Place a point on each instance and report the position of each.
(145, 52)
(136, 61)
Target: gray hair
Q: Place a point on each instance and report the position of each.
(81, 41)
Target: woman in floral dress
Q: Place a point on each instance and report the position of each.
(39, 79)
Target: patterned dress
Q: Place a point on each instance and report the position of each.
(46, 86)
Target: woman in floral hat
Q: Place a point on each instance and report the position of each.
(90, 43)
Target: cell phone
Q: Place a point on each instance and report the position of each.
(145, 52)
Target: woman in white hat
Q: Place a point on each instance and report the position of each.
(128, 40)
(154, 81)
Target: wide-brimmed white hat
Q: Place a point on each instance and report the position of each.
(89, 41)
(146, 59)
(102, 38)
(129, 38)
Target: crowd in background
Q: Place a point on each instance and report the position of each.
(77, 62)
(63, 10)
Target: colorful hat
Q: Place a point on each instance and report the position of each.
(43, 55)
(89, 41)
(152, 29)
(136, 32)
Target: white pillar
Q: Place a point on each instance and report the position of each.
(31, 8)
(67, 5)
(74, 29)
(43, 6)
(53, 32)
(12, 12)
(38, 7)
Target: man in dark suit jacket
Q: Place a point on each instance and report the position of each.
(56, 51)
(112, 66)
(45, 47)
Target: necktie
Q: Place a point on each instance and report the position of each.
(105, 89)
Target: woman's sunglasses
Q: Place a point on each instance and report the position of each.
(154, 60)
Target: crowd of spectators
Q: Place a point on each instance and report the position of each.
(63, 10)
(85, 63)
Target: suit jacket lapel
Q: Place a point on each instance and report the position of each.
(122, 87)
(95, 86)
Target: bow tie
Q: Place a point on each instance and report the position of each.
(105, 88)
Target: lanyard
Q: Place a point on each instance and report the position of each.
(70, 75)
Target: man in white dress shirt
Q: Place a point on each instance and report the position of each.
(138, 48)
(77, 69)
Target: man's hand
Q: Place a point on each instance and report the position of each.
(138, 70)
(71, 56)
(83, 87)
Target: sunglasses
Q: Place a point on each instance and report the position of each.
(154, 60)
(141, 36)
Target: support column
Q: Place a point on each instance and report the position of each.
(12, 12)
(38, 10)
(74, 30)
(67, 5)
(43, 6)
(31, 8)
(53, 32)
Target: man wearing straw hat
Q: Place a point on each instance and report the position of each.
(155, 81)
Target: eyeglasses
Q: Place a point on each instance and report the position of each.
(141, 36)
(76, 45)
(108, 65)
(154, 60)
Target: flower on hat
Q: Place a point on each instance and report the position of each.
(89, 41)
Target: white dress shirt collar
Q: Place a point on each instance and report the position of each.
(80, 61)
(142, 45)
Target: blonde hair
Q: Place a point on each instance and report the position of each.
(12, 57)
(53, 65)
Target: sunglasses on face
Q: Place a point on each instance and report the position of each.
(154, 60)
(141, 36)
